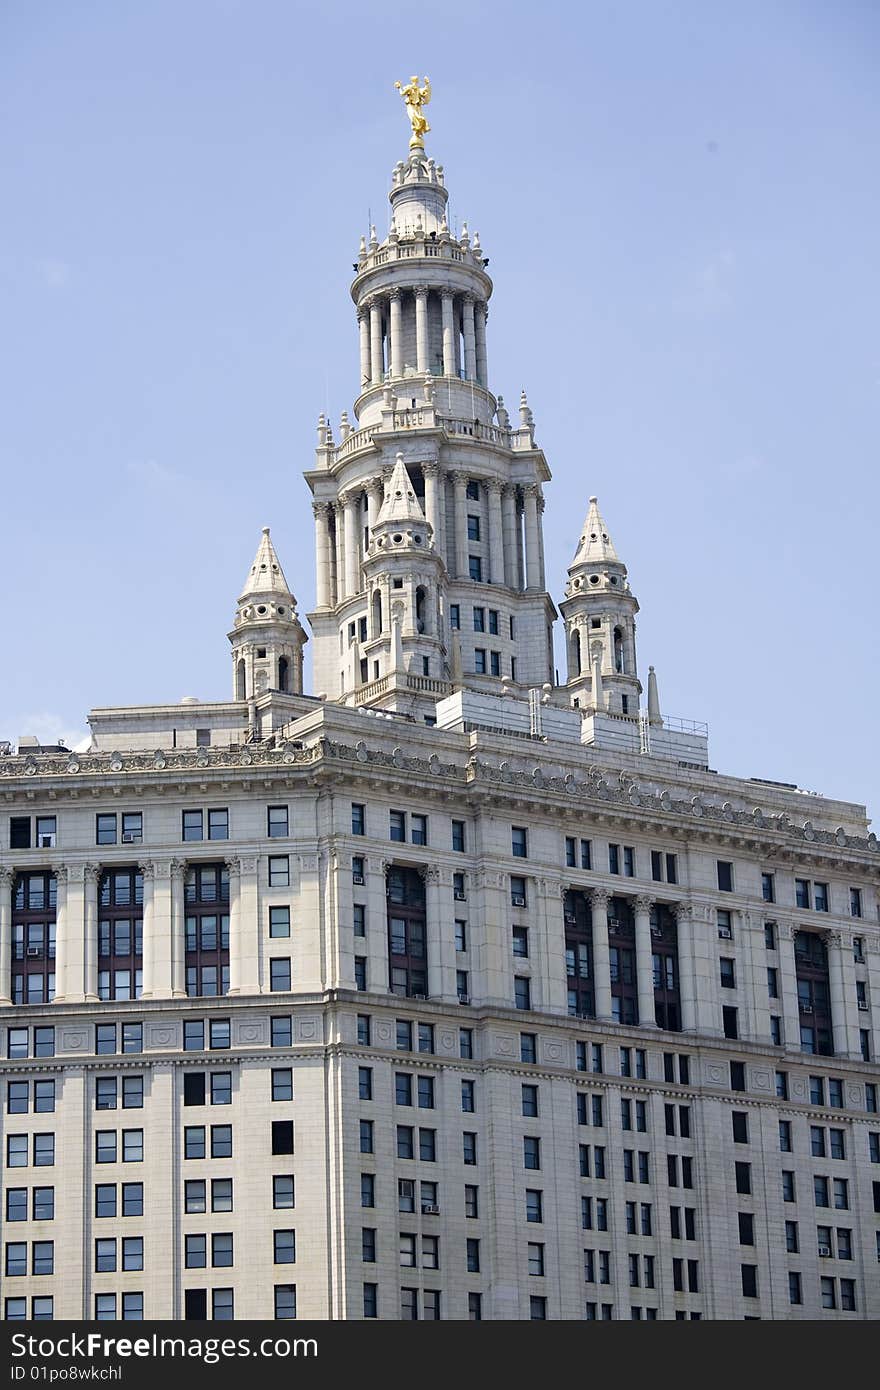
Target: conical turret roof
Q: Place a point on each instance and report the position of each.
(401, 504)
(595, 544)
(266, 575)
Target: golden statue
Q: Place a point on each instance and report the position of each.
(416, 97)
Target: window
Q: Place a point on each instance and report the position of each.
(282, 1083)
(479, 613)
(749, 1276)
(728, 975)
(284, 1247)
(743, 1175)
(770, 935)
(725, 876)
(281, 1034)
(855, 902)
(746, 1228)
(527, 1047)
(737, 1075)
(536, 1259)
(534, 1204)
(788, 1185)
(522, 992)
(426, 1037)
(277, 823)
(530, 1102)
(469, 1148)
(279, 871)
(471, 1202)
(418, 829)
(768, 888)
(468, 1101)
(283, 1190)
(397, 826)
(279, 973)
(520, 937)
(454, 615)
(363, 1030)
(517, 891)
(458, 837)
(475, 568)
(785, 1136)
(365, 1083)
(368, 1190)
(519, 842)
(740, 1127)
(285, 1301)
(282, 1136)
(466, 1043)
(358, 819)
(531, 1152)
(480, 661)
(472, 1255)
(279, 921)
(729, 1019)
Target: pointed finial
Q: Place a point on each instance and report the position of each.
(525, 415)
(266, 532)
(344, 426)
(654, 715)
(465, 238)
(362, 249)
(444, 226)
(501, 412)
(322, 429)
(374, 241)
(477, 247)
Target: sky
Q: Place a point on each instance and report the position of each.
(679, 200)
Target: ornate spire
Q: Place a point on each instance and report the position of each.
(401, 504)
(266, 575)
(595, 543)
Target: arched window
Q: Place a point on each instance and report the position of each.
(576, 653)
(619, 664)
(420, 608)
(283, 674)
(240, 681)
(377, 612)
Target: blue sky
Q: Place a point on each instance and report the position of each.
(680, 205)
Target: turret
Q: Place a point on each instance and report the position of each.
(267, 637)
(599, 611)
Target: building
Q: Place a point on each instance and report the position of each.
(447, 992)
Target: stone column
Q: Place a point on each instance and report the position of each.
(446, 302)
(421, 294)
(375, 497)
(533, 559)
(644, 962)
(364, 332)
(321, 511)
(435, 930)
(308, 927)
(431, 473)
(249, 929)
(520, 553)
(396, 333)
(351, 503)
(339, 549)
(459, 481)
(62, 931)
(377, 370)
(469, 332)
(843, 994)
(480, 314)
(147, 932)
(785, 937)
(496, 526)
(687, 986)
(92, 874)
(234, 869)
(599, 899)
(375, 948)
(178, 929)
(7, 884)
(508, 523)
(157, 931)
(551, 978)
(541, 567)
(489, 920)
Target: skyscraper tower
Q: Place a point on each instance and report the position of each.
(421, 297)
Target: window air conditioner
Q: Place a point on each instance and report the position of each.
(806, 1008)
(357, 878)
(459, 896)
(418, 996)
(34, 951)
(726, 933)
(429, 1209)
(656, 931)
(47, 842)
(863, 1005)
(571, 918)
(825, 1251)
(518, 899)
(464, 999)
(131, 837)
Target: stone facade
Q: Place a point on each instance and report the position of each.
(448, 991)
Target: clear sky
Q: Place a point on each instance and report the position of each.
(680, 205)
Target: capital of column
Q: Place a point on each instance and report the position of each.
(395, 294)
(683, 911)
(458, 478)
(420, 291)
(430, 873)
(446, 292)
(599, 898)
(177, 869)
(495, 485)
(91, 872)
(468, 297)
(321, 511)
(233, 867)
(530, 490)
(363, 311)
(146, 870)
(431, 470)
(643, 903)
(60, 872)
(832, 938)
(7, 878)
(375, 488)
(249, 864)
(542, 502)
